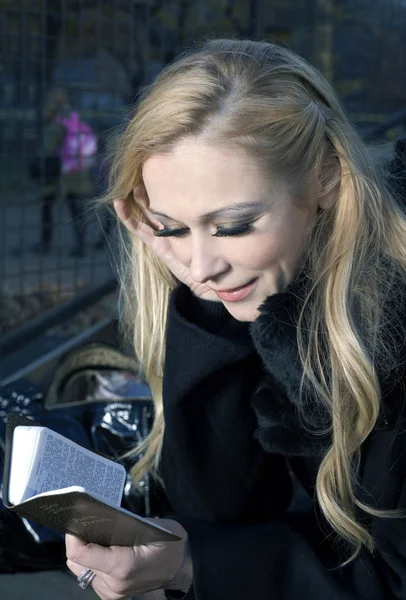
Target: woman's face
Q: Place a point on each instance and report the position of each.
(238, 231)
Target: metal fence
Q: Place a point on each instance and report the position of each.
(101, 52)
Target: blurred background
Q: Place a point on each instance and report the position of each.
(77, 66)
(93, 56)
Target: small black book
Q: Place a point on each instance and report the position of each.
(56, 482)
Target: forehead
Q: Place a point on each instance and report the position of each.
(196, 178)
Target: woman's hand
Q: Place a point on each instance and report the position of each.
(162, 248)
(122, 572)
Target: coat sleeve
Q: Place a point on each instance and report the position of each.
(278, 559)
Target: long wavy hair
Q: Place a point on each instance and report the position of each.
(271, 103)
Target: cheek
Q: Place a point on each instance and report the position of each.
(263, 249)
(257, 251)
(282, 242)
(182, 249)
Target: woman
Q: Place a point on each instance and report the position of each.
(264, 293)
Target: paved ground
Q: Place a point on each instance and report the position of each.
(21, 269)
(48, 585)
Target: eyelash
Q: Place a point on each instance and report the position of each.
(239, 230)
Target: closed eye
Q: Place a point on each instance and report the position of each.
(230, 231)
(166, 232)
(234, 231)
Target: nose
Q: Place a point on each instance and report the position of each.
(206, 263)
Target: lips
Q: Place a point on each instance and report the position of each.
(236, 294)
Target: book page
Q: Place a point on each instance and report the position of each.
(61, 463)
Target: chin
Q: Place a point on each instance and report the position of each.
(247, 313)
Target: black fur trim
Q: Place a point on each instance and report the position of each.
(284, 424)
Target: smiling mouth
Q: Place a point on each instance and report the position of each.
(236, 294)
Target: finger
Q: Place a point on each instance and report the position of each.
(73, 543)
(78, 569)
(93, 556)
(141, 200)
(103, 585)
(99, 584)
(154, 221)
(132, 224)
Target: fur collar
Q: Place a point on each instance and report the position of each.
(284, 426)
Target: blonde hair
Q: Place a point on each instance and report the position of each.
(273, 104)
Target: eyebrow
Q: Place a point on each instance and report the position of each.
(238, 207)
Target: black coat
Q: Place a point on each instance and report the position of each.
(233, 440)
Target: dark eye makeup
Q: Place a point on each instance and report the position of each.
(166, 232)
(241, 229)
(230, 231)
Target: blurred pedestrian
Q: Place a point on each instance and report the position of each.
(67, 155)
(78, 156)
(46, 166)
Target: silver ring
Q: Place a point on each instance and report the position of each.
(85, 578)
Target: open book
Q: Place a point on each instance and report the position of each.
(52, 480)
